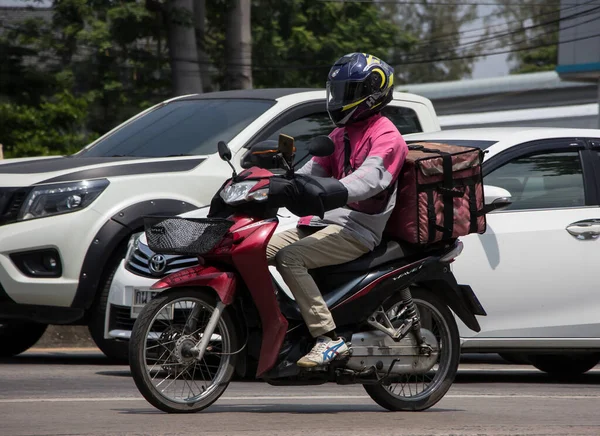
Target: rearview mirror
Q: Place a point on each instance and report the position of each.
(224, 151)
(321, 146)
(496, 198)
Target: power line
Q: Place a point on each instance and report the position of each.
(449, 3)
(507, 24)
(412, 61)
(593, 11)
(503, 51)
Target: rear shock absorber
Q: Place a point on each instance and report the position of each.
(412, 318)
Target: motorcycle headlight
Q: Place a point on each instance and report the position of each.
(240, 192)
(48, 200)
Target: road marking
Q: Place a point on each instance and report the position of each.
(45, 350)
(301, 397)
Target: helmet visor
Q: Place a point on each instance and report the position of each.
(342, 93)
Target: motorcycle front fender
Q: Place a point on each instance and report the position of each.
(224, 283)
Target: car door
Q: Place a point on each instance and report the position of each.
(534, 269)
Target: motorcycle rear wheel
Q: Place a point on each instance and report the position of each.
(168, 339)
(441, 322)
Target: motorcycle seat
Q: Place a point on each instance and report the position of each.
(385, 252)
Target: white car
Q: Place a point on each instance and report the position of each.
(65, 221)
(533, 269)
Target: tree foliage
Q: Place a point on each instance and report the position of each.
(25, 129)
(434, 30)
(94, 63)
(530, 23)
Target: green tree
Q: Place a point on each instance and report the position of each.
(109, 56)
(97, 62)
(434, 30)
(294, 42)
(530, 23)
(55, 126)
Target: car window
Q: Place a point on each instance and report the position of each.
(188, 127)
(305, 128)
(405, 119)
(544, 180)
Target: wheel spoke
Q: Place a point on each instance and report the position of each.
(412, 386)
(171, 330)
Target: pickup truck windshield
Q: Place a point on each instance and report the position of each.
(188, 127)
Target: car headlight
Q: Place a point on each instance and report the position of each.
(240, 192)
(48, 200)
(132, 245)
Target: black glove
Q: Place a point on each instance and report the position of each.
(329, 192)
(282, 192)
(307, 195)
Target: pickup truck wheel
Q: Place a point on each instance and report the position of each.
(17, 337)
(565, 365)
(113, 349)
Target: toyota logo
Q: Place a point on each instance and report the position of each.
(157, 264)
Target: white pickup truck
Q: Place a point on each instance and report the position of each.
(65, 221)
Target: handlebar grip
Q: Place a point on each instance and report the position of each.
(307, 195)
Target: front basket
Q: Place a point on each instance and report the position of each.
(186, 236)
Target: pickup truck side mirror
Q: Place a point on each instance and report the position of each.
(496, 198)
(262, 155)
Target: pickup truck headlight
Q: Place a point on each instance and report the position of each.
(49, 200)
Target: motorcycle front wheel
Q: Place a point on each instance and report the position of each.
(164, 371)
(416, 392)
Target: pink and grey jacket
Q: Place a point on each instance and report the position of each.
(378, 152)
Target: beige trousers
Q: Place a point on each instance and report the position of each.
(295, 251)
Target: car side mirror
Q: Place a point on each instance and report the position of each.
(263, 155)
(496, 198)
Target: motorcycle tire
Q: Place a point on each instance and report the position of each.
(137, 352)
(448, 362)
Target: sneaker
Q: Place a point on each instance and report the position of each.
(324, 351)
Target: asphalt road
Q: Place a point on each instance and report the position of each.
(83, 394)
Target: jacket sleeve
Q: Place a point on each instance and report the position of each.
(380, 168)
(317, 166)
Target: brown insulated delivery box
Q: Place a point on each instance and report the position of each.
(440, 194)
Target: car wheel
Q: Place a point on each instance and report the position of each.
(17, 337)
(565, 365)
(113, 349)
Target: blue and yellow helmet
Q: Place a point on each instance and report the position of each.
(358, 86)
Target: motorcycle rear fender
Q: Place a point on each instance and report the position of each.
(460, 298)
(224, 283)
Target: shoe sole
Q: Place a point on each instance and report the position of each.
(315, 364)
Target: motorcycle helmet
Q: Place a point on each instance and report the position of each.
(358, 86)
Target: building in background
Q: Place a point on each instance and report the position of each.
(579, 48)
(534, 99)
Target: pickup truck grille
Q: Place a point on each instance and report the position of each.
(11, 200)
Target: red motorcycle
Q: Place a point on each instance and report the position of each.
(229, 316)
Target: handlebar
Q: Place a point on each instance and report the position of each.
(307, 195)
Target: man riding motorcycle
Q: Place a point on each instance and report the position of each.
(369, 154)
